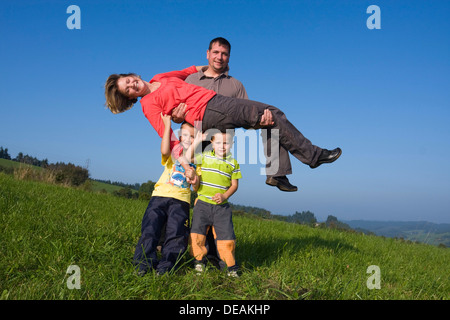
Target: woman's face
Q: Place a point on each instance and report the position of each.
(131, 86)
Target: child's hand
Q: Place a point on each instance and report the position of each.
(190, 175)
(166, 119)
(192, 181)
(219, 198)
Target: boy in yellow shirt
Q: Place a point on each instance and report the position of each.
(169, 205)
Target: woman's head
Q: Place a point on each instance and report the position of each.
(122, 91)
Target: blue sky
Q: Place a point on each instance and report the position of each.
(381, 95)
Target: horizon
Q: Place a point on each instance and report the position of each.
(381, 95)
(324, 220)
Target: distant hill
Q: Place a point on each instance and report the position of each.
(422, 231)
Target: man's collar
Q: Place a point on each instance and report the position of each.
(223, 74)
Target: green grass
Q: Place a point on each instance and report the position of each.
(101, 186)
(15, 165)
(46, 228)
(96, 186)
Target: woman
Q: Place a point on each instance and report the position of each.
(166, 91)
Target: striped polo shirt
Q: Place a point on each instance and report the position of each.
(216, 175)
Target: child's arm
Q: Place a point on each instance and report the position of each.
(165, 146)
(198, 138)
(195, 183)
(165, 142)
(221, 197)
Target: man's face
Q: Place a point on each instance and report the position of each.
(218, 57)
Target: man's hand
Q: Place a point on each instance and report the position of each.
(178, 113)
(266, 119)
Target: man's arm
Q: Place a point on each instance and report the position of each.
(178, 113)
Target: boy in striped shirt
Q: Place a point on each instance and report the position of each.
(217, 183)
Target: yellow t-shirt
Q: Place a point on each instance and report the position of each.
(172, 183)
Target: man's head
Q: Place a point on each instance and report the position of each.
(218, 54)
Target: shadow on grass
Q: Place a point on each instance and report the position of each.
(255, 254)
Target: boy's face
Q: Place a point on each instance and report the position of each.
(222, 143)
(186, 136)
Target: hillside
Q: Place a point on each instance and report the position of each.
(9, 166)
(44, 229)
(422, 231)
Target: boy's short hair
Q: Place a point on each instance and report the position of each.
(229, 132)
(186, 123)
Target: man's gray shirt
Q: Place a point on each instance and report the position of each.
(224, 84)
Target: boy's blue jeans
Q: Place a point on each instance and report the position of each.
(161, 210)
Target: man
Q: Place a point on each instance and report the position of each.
(216, 78)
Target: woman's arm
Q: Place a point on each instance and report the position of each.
(199, 68)
(181, 74)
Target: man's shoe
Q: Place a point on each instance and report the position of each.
(281, 183)
(327, 156)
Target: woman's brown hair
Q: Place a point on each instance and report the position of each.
(116, 101)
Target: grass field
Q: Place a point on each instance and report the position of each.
(96, 186)
(44, 229)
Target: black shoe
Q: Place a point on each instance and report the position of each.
(281, 183)
(327, 156)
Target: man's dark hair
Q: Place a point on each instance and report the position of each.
(222, 41)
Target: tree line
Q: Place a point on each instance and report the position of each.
(59, 172)
(304, 217)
